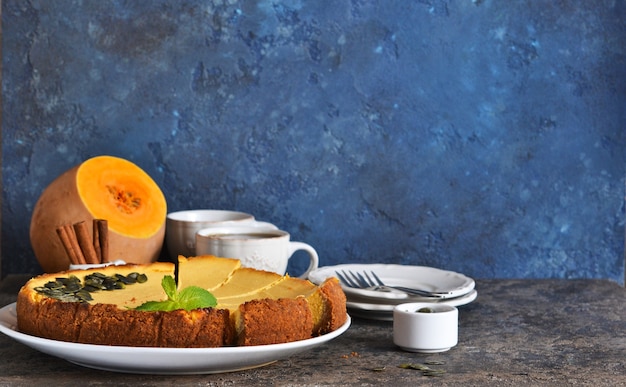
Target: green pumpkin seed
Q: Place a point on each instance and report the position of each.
(53, 285)
(94, 284)
(91, 289)
(72, 287)
(125, 280)
(84, 295)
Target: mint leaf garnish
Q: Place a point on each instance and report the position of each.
(155, 306)
(169, 285)
(189, 298)
(194, 297)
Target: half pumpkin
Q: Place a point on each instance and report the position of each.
(103, 187)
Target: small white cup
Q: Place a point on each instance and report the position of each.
(417, 330)
(182, 226)
(256, 247)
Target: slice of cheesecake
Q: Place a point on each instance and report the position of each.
(245, 281)
(205, 271)
(287, 287)
(258, 298)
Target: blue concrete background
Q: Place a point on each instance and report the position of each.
(484, 136)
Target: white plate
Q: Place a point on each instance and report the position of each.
(384, 312)
(422, 277)
(169, 361)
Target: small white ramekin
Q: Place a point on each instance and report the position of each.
(425, 327)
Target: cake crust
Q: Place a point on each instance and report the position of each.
(271, 321)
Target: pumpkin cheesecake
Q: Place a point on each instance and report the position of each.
(254, 307)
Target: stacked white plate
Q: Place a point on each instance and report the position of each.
(378, 305)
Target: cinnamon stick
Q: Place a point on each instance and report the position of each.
(96, 240)
(67, 245)
(80, 257)
(101, 229)
(85, 242)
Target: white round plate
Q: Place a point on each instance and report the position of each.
(166, 361)
(421, 277)
(384, 312)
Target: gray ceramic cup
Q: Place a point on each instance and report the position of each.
(181, 227)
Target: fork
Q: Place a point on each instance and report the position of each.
(373, 282)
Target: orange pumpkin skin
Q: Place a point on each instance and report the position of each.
(102, 187)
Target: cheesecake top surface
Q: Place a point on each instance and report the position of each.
(132, 293)
(230, 283)
(245, 281)
(207, 271)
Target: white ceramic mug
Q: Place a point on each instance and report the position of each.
(425, 327)
(182, 226)
(256, 247)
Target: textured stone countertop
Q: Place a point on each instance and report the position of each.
(518, 332)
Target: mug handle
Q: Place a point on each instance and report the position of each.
(314, 259)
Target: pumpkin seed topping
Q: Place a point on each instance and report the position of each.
(72, 289)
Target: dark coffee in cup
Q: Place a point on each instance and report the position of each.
(243, 236)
